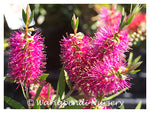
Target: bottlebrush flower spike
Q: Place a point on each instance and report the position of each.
(43, 96)
(27, 58)
(110, 18)
(74, 49)
(102, 70)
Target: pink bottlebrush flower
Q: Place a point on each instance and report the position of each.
(109, 41)
(96, 65)
(43, 93)
(110, 18)
(73, 51)
(27, 58)
(104, 73)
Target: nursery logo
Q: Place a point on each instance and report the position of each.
(79, 103)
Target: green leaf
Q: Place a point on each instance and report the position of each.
(73, 107)
(71, 99)
(23, 91)
(6, 44)
(77, 23)
(61, 84)
(60, 92)
(114, 95)
(36, 106)
(137, 8)
(31, 17)
(135, 71)
(38, 91)
(122, 106)
(67, 79)
(13, 103)
(130, 19)
(135, 66)
(136, 60)
(130, 59)
(122, 18)
(48, 92)
(9, 79)
(43, 77)
(139, 105)
(131, 8)
(24, 16)
(99, 97)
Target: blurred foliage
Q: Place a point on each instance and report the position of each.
(54, 16)
(50, 15)
(6, 44)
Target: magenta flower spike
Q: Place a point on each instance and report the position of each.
(111, 18)
(105, 74)
(74, 48)
(96, 65)
(27, 58)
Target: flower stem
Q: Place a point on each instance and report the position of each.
(27, 93)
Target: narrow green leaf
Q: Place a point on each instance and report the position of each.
(122, 106)
(6, 44)
(130, 19)
(99, 98)
(61, 84)
(114, 95)
(36, 105)
(9, 79)
(60, 92)
(130, 59)
(77, 23)
(136, 60)
(122, 18)
(38, 91)
(135, 71)
(13, 103)
(24, 16)
(137, 8)
(31, 17)
(67, 79)
(43, 77)
(135, 66)
(48, 92)
(139, 105)
(23, 91)
(131, 8)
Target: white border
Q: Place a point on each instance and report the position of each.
(74, 2)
